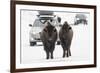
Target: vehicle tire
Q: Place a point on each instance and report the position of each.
(85, 22)
(58, 42)
(32, 43)
(76, 23)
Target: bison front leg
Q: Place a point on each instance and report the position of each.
(68, 49)
(69, 52)
(51, 54)
(47, 54)
(64, 53)
(52, 49)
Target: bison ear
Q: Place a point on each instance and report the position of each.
(45, 30)
(69, 28)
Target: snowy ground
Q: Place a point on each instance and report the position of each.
(80, 48)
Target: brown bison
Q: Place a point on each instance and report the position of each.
(49, 37)
(65, 35)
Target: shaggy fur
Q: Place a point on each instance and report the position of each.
(49, 37)
(65, 35)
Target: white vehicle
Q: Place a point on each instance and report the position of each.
(80, 18)
(39, 24)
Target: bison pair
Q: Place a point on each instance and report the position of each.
(49, 37)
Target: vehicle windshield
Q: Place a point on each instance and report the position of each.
(38, 23)
(41, 22)
(81, 16)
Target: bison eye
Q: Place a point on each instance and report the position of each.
(54, 30)
(45, 30)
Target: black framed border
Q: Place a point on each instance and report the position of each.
(13, 35)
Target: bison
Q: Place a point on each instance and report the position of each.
(66, 35)
(49, 37)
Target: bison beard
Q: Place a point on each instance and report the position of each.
(49, 37)
(65, 35)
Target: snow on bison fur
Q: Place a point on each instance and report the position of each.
(66, 35)
(49, 37)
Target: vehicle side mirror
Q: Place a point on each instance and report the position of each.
(30, 25)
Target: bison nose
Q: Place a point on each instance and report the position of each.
(49, 40)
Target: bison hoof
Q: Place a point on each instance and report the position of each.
(63, 56)
(51, 57)
(67, 55)
(47, 58)
(70, 55)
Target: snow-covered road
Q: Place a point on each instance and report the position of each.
(80, 48)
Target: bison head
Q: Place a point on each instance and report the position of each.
(66, 27)
(51, 32)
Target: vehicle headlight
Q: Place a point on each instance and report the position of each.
(77, 19)
(31, 38)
